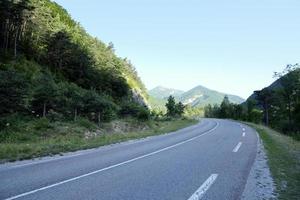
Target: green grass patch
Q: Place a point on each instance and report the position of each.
(35, 138)
(284, 160)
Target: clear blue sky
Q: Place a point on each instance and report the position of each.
(233, 46)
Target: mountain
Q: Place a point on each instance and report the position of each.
(158, 96)
(273, 86)
(200, 96)
(161, 92)
(196, 97)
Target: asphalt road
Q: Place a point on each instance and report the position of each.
(210, 160)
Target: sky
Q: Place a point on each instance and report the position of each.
(232, 46)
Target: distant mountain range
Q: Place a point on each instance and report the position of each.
(161, 92)
(196, 97)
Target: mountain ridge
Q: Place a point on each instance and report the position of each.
(198, 96)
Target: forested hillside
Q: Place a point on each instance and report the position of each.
(277, 105)
(50, 66)
(63, 90)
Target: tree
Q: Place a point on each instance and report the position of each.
(290, 90)
(171, 106)
(44, 93)
(264, 98)
(13, 91)
(99, 107)
(256, 116)
(208, 112)
(13, 19)
(71, 97)
(179, 109)
(224, 108)
(237, 111)
(250, 107)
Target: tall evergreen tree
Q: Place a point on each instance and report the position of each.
(171, 106)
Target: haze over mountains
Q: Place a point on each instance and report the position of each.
(198, 96)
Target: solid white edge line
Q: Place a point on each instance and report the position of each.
(75, 155)
(204, 187)
(237, 147)
(112, 166)
(244, 134)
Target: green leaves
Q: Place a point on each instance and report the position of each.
(13, 92)
(173, 109)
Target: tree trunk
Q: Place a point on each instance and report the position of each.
(290, 114)
(15, 43)
(6, 35)
(267, 116)
(44, 109)
(60, 64)
(99, 119)
(75, 114)
(7, 38)
(266, 113)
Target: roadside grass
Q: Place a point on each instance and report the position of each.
(284, 160)
(40, 137)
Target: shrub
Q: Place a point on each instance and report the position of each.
(143, 114)
(134, 110)
(83, 122)
(42, 124)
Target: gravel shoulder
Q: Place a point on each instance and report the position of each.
(260, 184)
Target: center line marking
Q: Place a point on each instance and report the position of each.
(112, 166)
(244, 129)
(244, 134)
(204, 187)
(237, 147)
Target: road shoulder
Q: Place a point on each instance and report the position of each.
(260, 184)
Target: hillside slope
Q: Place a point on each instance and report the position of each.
(66, 70)
(161, 92)
(200, 96)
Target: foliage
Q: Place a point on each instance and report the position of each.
(171, 106)
(174, 109)
(50, 67)
(277, 106)
(13, 91)
(134, 110)
(190, 111)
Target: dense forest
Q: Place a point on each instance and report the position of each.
(277, 106)
(50, 67)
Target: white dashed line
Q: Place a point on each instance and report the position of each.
(237, 147)
(244, 134)
(204, 187)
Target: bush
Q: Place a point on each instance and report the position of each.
(256, 116)
(42, 124)
(83, 122)
(135, 110)
(143, 114)
(129, 109)
(96, 104)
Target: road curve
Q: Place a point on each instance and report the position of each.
(210, 160)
